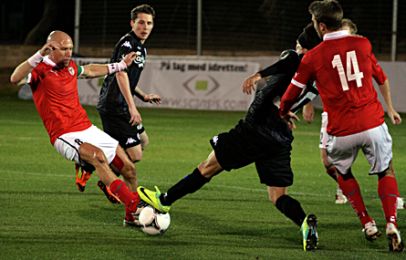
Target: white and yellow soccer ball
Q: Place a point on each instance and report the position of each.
(153, 222)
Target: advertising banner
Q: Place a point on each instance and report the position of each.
(185, 84)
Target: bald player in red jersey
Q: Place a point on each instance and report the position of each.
(53, 79)
(343, 67)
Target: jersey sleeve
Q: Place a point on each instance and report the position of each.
(298, 83)
(287, 59)
(304, 72)
(80, 71)
(377, 71)
(33, 78)
(124, 47)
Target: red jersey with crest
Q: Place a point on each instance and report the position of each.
(342, 66)
(55, 94)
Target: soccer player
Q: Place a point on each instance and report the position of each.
(342, 66)
(53, 80)
(263, 138)
(308, 116)
(119, 115)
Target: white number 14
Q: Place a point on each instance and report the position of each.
(352, 65)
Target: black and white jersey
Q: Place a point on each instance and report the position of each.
(111, 100)
(263, 113)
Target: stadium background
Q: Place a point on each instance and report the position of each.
(229, 28)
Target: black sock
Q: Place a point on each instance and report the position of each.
(291, 208)
(188, 184)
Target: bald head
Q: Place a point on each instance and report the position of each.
(62, 47)
(59, 37)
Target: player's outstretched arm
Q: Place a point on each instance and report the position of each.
(22, 70)
(250, 83)
(97, 70)
(151, 97)
(393, 115)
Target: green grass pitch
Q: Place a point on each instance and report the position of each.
(44, 216)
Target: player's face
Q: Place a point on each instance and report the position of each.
(317, 27)
(62, 54)
(142, 26)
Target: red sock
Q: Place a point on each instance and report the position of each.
(388, 193)
(352, 191)
(130, 199)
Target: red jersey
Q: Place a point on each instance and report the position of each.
(342, 66)
(55, 94)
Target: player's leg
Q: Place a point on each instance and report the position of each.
(378, 151)
(187, 185)
(388, 193)
(274, 170)
(143, 136)
(331, 170)
(229, 152)
(340, 198)
(342, 152)
(98, 149)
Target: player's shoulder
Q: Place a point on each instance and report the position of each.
(288, 54)
(127, 41)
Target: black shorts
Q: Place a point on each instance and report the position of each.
(118, 127)
(242, 146)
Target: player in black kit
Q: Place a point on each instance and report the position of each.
(119, 115)
(263, 138)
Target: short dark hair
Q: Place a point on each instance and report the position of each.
(309, 38)
(144, 8)
(328, 12)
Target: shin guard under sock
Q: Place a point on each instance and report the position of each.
(291, 208)
(188, 184)
(388, 193)
(351, 190)
(128, 198)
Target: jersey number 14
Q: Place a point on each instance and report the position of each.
(352, 72)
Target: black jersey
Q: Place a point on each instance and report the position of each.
(111, 100)
(263, 114)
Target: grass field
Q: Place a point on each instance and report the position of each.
(43, 216)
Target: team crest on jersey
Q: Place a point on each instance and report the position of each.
(139, 59)
(71, 71)
(127, 44)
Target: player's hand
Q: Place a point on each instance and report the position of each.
(308, 112)
(290, 119)
(152, 98)
(135, 116)
(129, 58)
(250, 83)
(48, 47)
(395, 117)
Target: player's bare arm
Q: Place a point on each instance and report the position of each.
(97, 70)
(250, 83)
(151, 97)
(393, 115)
(22, 70)
(124, 85)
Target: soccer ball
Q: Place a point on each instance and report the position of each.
(153, 222)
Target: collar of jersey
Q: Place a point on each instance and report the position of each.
(335, 35)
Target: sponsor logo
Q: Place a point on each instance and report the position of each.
(139, 59)
(201, 85)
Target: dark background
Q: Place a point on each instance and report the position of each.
(233, 26)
